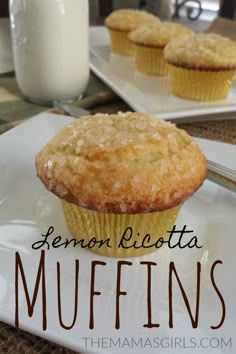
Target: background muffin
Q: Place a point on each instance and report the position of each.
(149, 42)
(116, 171)
(121, 22)
(202, 66)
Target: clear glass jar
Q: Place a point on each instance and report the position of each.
(51, 48)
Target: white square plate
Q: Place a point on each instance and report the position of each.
(146, 93)
(27, 210)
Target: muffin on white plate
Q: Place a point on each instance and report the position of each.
(112, 172)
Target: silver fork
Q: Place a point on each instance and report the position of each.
(222, 175)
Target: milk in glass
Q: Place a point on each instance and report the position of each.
(51, 48)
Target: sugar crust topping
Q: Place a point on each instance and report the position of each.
(158, 34)
(205, 50)
(128, 19)
(124, 163)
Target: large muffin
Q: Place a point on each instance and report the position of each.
(149, 42)
(202, 66)
(121, 22)
(115, 171)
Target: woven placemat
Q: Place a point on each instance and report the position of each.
(15, 341)
(224, 131)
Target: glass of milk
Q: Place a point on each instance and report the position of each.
(51, 48)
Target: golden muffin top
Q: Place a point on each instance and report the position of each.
(158, 35)
(127, 19)
(123, 163)
(202, 51)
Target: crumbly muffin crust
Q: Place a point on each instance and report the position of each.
(127, 19)
(207, 51)
(124, 163)
(158, 35)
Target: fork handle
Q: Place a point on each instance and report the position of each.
(221, 175)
